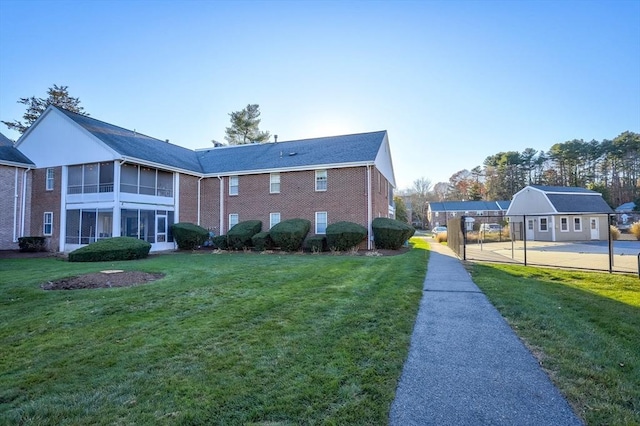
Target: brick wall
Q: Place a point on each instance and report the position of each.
(188, 209)
(45, 201)
(344, 200)
(11, 211)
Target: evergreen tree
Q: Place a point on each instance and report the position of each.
(57, 95)
(245, 127)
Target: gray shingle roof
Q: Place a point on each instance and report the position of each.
(136, 145)
(11, 154)
(578, 203)
(626, 207)
(357, 148)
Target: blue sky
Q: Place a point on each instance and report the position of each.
(451, 81)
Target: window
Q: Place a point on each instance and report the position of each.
(577, 224)
(47, 228)
(543, 225)
(142, 180)
(274, 219)
(129, 178)
(321, 222)
(321, 180)
(142, 224)
(233, 185)
(564, 224)
(274, 183)
(91, 178)
(233, 220)
(49, 182)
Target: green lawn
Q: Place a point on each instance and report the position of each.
(585, 329)
(222, 339)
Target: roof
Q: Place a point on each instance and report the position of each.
(354, 149)
(450, 206)
(562, 199)
(10, 155)
(132, 144)
(346, 149)
(563, 189)
(579, 203)
(626, 207)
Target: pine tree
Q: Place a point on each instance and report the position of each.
(245, 127)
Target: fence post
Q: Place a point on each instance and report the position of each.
(610, 244)
(524, 237)
(463, 223)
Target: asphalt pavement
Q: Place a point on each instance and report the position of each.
(465, 364)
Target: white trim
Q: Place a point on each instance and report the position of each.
(271, 223)
(236, 186)
(304, 168)
(546, 219)
(47, 180)
(326, 180)
(566, 218)
(326, 222)
(237, 220)
(573, 225)
(271, 182)
(45, 223)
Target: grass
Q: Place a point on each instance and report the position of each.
(585, 329)
(222, 339)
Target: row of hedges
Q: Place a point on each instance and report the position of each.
(289, 235)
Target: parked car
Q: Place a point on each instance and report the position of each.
(437, 230)
(490, 227)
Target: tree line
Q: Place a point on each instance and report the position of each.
(611, 167)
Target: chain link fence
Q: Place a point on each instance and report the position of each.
(573, 241)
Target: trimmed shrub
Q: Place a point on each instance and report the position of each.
(390, 234)
(289, 234)
(240, 235)
(117, 248)
(262, 241)
(345, 235)
(189, 236)
(32, 244)
(220, 242)
(441, 237)
(635, 229)
(316, 243)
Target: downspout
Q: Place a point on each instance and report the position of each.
(221, 213)
(15, 208)
(199, 180)
(24, 200)
(369, 209)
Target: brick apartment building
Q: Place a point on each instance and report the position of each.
(91, 180)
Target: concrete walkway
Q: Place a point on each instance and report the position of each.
(465, 365)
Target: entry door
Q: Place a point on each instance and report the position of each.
(594, 227)
(530, 230)
(161, 228)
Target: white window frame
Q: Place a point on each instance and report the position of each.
(234, 183)
(234, 219)
(326, 222)
(546, 224)
(577, 221)
(564, 224)
(274, 219)
(274, 183)
(47, 221)
(321, 180)
(49, 180)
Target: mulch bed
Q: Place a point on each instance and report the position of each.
(106, 279)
